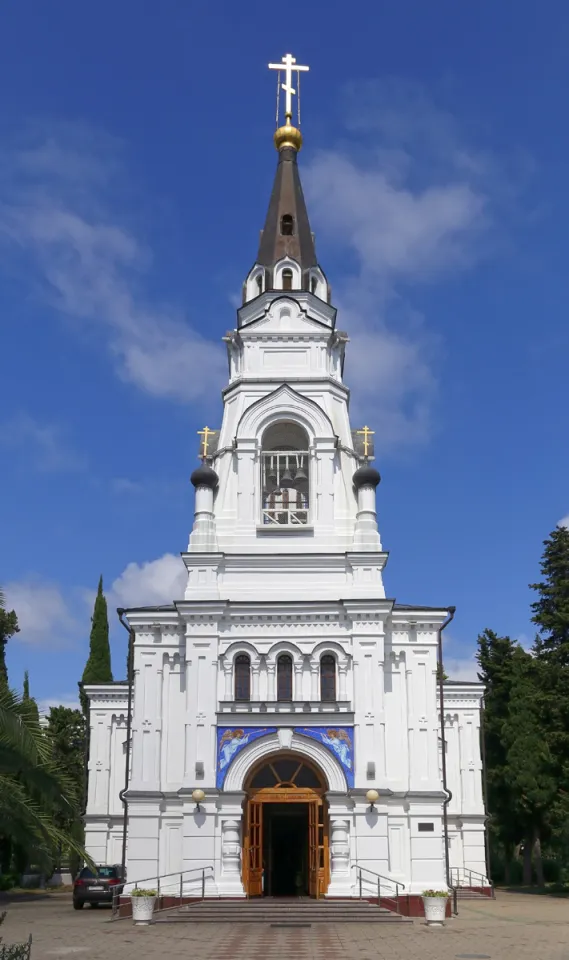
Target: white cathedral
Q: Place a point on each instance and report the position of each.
(281, 731)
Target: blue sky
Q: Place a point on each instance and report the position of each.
(135, 169)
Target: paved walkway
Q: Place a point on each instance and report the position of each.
(513, 927)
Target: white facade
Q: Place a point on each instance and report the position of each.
(291, 570)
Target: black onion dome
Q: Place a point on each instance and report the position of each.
(366, 476)
(204, 476)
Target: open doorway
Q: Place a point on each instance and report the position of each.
(285, 853)
(285, 837)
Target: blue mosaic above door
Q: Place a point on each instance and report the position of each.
(232, 740)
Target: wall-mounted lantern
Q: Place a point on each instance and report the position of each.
(198, 796)
(372, 796)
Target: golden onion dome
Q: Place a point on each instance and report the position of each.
(288, 136)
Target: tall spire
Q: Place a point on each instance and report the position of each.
(287, 227)
(287, 230)
(286, 259)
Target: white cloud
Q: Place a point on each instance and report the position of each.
(564, 522)
(43, 613)
(152, 583)
(123, 485)
(402, 201)
(69, 700)
(57, 207)
(457, 668)
(395, 231)
(44, 442)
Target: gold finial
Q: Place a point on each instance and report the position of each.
(366, 434)
(205, 434)
(288, 136)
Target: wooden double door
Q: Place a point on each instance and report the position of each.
(285, 837)
(285, 848)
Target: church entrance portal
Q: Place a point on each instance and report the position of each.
(285, 842)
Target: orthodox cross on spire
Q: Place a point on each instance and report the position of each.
(367, 443)
(287, 66)
(205, 434)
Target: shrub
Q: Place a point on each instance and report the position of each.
(141, 892)
(435, 893)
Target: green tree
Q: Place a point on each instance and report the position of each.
(495, 658)
(529, 769)
(68, 731)
(551, 653)
(98, 666)
(551, 609)
(34, 791)
(26, 696)
(8, 627)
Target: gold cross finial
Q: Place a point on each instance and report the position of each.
(366, 434)
(205, 434)
(288, 65)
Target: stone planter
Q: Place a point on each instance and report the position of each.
(435, 910)
(142, 909)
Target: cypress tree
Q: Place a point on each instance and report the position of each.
(98, 666)
(8, 627)
(29, 701)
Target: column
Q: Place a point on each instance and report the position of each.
(298, 692)
(271, 682)
(255, 676)
(228, 675)
(342, 679)
(315, 680)
(340, 848)
(341, 877)
(230, 849)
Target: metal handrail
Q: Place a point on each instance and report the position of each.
(200, 871)
(466, 871)
(462, 873)
(380, 877)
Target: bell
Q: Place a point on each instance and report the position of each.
(272, 475)
(300, 476)
(286, 479)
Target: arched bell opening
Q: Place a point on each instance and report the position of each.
(285, 475)
(285, 841)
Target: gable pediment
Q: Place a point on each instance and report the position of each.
(285, 316)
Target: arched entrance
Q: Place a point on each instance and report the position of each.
(285, 841)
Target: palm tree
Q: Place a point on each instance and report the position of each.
(33, 792)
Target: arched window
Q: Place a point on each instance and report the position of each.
(327, 678)
(284, 677)
(242, 677)
(259, 283)
(287, 279)
(287, 225)
(313, 285)
(285, 475)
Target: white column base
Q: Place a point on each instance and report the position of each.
(340, 887)
(230, 887)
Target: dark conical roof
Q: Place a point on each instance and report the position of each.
(287, 199)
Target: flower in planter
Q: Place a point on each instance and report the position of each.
(141, 892)
(434, 893)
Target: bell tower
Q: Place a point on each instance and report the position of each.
(285, 496)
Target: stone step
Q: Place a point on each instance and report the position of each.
(275, 911)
